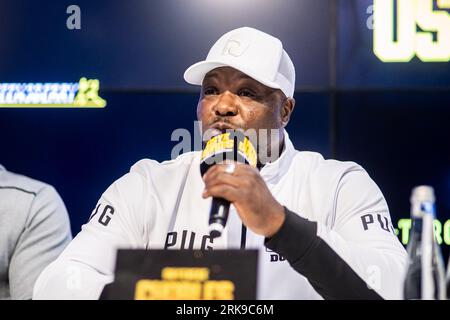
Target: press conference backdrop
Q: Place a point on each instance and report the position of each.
(377, 94)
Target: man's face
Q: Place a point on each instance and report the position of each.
(232, 100)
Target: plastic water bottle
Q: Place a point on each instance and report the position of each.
(448, 278)
(425, 276)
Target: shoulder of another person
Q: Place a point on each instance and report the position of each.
(23, 198)
(19, 182)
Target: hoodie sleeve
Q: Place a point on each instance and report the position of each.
(359, 257)
(87, 264)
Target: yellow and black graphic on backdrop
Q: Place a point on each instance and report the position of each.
(84, 94)
(420, 28)
(88, 94)
(184, 284)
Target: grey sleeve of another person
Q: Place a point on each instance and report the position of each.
(45, 235)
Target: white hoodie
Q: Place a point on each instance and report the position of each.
(337, 241)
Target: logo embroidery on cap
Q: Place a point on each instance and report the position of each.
(234, 48)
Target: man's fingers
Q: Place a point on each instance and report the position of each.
(227, 192)
(223, 178)
(221, 167)
(239, 170)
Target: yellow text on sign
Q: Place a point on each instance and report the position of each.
(184, 290)
(184, 284)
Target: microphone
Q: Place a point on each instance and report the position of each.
(232, 145)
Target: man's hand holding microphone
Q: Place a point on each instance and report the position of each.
(236, 180)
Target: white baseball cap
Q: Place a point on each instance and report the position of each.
(253, 52)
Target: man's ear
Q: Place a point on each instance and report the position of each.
(286, 110)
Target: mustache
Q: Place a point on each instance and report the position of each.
(221, 124)
(221, 119)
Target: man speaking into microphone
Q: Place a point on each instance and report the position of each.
(327, 220)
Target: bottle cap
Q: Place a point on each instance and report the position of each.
(422, 194)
